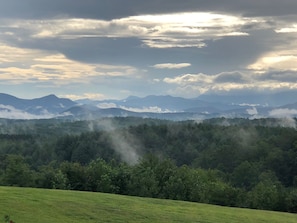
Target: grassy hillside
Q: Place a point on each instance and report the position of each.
(25, 205)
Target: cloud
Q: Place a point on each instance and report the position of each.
(282, 55)
(92, 96)
(283, 112)
(196, 84)
(175, 42)
(224, 78)
(282, 76)
(284, 118)
(171, 65)
(188, 29)
(275, 62)
(106, 105)
(10, 112)
(19, 65)
(252, 111)
(230, 77)
(288, 29)
(72, 45)
(186, 79)
(116, 8)
(153, 109)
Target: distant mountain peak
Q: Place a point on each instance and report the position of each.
(50, 96)
(154, 106)
(131, 97)
(50, 104)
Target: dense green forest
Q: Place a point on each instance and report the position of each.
(231, 162)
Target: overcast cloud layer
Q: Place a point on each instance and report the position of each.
(113, 48)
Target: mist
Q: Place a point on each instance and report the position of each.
(284, 117)
(125, 144)
(9, 112)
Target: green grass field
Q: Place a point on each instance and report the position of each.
(25, 205)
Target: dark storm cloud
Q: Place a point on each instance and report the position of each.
(108, 9)
(219, 55)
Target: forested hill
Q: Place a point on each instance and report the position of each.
(244, 163)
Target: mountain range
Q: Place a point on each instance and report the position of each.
(160, 107)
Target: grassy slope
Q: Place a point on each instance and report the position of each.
(48, 206)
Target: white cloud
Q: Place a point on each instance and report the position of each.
(28, 65)
(223, 79)
(171, 65)
(196, 84)
(10, 112)
(283, 112)
(187, 79)
(170, 42)
(153, 109)
(247, 104)
(91, 96)
(252, 111)
(288, 29)
(159, 31)
(106, 105)
(283, 53)
(285, 120)
(280, 61)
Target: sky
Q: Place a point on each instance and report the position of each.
(111, 49)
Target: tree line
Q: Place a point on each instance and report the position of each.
(233, 165)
